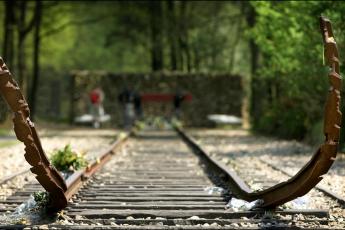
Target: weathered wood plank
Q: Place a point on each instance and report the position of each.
(171, 214)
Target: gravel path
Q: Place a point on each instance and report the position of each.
(12, 161)
(241, 150)
(237, 148)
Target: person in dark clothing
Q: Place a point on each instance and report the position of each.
(126, 98)
(178, 99)
(137, 106)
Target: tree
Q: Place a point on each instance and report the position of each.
(8, 47)
(255, 88)
(36, 66)
(125, 37)
(9, 25)
(23, 30)
(291, 70)
(171, 16)
(156, 23)
(183, 37)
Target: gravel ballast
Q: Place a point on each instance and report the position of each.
(12, 161)
(245, 152)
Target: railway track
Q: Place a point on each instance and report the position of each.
(323, 189)
(96, 157)
(157, 182)
(13, 176)
(21, 174)
(161, 184)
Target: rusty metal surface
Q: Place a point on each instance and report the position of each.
(74, 182)
(46, 174)
(323, 189)
(158, 177)
(311, 174)
(322, 160)
(158, 183)
(25, 131)
(234, 183)
(296, 186)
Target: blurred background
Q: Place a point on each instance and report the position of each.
(261, 62)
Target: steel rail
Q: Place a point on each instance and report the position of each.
(165, 188)
(59, 190)
(25, 131)
(323, 189)
(296, 186)
(84, 173)
(75, 181)
(311, 174)
(12, 176)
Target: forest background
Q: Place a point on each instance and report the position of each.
(275, 47)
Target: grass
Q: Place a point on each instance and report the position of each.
(4, 132)
(41, 198)
(4, 144)
(67, 160)
(228, 126)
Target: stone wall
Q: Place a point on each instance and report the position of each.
(212, 93)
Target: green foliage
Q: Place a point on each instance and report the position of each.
(68, 160)
(41, 199)
(285, 124)
(116, 36)
(139, 125)
(176, 122)
(294, 80)
(4, 132)
(20, 221)
(316, 136)
(4, 144)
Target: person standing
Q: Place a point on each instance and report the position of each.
(137, 106)
(126, 98)
(96, 98)
(178, 99)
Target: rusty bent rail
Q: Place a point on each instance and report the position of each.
(75, 180)
(47, 175)
(296, 186)
(25, 131)
(311, 174)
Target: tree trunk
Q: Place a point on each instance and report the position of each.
(188, 56)
(172, 34)
(183, 38)
(255, 91)
(196, 59)
(72, 86)
(156, 36)
(8, 47)
(23, 30)
(237, 38)
(21, 47)
(9, 25)
(36, 70)
(21, 73)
